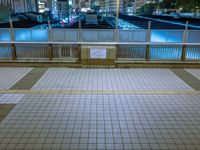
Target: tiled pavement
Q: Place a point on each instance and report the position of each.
(188, 78)
(10, 76)
(114, 79)
(160, 119)
(10, 98)
(5, 109)
(29, 80)
(194, 72)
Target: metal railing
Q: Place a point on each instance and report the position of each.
(131, 44)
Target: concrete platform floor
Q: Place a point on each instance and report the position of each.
(71, 109)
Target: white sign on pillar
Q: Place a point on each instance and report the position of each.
(98, 53)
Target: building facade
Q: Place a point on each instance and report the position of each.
(112, 5)
(19, 6)
(137, 4)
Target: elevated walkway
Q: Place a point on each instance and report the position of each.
(73, 108)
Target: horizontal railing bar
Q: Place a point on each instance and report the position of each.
(101, 43)
(98, 29)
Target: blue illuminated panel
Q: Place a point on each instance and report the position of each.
(39, 35)
(62, 35)
(164, 52)
(134, 51)
(193, 37)
(5, 35)
(167, 36)
(58, 35)
(23, 35)
(89, 36)
(132, 35)
(106, 36)
(193, 53)
(5, 51)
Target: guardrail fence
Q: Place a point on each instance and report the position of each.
(131, 44)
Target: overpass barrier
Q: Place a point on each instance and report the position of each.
(66, 44)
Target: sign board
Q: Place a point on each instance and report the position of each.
(98, 53)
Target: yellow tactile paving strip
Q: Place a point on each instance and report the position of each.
(102, 92)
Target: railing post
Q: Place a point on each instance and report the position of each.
(70, 51)
(147, 56)
(79, 31)
(79, 40)
(13, 51)
(13, 47)
(183, 56)
(116, 21)
(79, 24)
(50, 50)
(59, 51)
(116, 29)
(147, 52)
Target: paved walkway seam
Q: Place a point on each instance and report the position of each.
(188, 78)
(29, 80)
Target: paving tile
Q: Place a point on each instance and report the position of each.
(10, 76)
(194, 72)
(5, 109)
(188, 78)
(110, 79)
(29, 79)
(10, 98)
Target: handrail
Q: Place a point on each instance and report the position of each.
(101, 38)
(102, 43)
